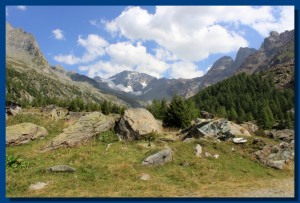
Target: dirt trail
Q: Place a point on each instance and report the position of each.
(278, 188)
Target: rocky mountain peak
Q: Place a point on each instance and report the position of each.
(23, 46)
(221, 64)
(275, 49)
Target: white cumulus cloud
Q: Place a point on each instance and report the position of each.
(93, 45)
(127, 56)
(192, 33)
(58, 34)
(185, 69)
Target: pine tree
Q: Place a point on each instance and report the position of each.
(177, 114)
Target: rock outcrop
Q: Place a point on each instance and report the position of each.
(23, 133)
(136, 123)
(221, 129)
(276, 156)
(284, 135)
(159, 158)
(82, 131)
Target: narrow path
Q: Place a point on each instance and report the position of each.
(278, 188)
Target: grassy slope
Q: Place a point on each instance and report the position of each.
(116, 172)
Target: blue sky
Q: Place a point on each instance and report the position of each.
(163, 41)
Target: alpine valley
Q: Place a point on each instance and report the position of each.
(229, 133)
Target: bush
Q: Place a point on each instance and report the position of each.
(15, 162)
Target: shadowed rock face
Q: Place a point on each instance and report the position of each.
(23, 133)
(82, 131)
(136, 123)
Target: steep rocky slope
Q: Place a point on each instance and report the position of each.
(29, 76)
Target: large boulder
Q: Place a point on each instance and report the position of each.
(82, 131)
(221, 129)
(159, 158)
(23, 133)
(136, 123)
(276, 156)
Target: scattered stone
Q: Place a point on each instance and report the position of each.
(275, 156)
(221, 129)
(184, 163)
(82, 131)
(37, 186)
(61, 168)
(277, 164)
(54, 112)
(136, 123)
(198, 150)
(257, 140)
(145, 176)
(232, 149)
(159, 158)
(12, 108)
(208, 155)
(23, 133)
(239, 140)
(216, 156)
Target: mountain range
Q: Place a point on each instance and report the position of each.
(29, 75)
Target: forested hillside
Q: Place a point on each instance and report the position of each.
(246, 98)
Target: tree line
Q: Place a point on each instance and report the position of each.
(239, 98)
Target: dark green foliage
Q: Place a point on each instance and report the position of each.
(247, 97)
(15, 162)
(158, 108)
(178, 114)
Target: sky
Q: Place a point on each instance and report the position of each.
(162, 41)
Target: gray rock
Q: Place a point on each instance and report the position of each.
(285, 135)
(221, 129)
(159, 158)
(13, 110)
(23, 133)
(275, 156)
(61, 168)
(82, 131)
(239, 140)
(198, 150)
(277, 164)
(136, 123)
(37, 186)
(208, 155)
(216, 156)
